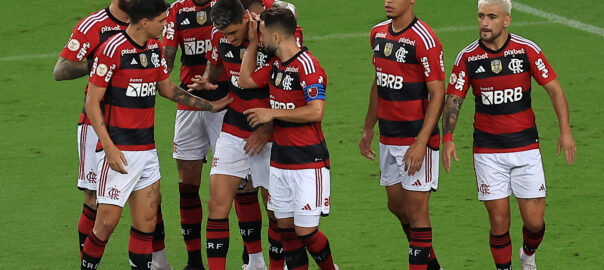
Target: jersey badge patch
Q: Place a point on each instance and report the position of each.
(202, 17)
(496, 66)
(101, 70)
(278, 78)
(73, 45)
(143, 60)
(388, 49)
(313, 92)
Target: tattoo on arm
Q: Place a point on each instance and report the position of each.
(183, 97)
(170, 56)
(450, 113)
(69, 70)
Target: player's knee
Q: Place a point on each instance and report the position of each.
(104, 228)
(397, 210)
(534, 225)
(500, 224)
(219, 207)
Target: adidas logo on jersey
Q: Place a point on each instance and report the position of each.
(133, 62)
(185, 22)
(377, 48)
(229, 55)
(417, 183)
(480, 69)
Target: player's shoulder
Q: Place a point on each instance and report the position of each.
(215, 34)
(178, 4)
(113, 44)
(381, 26)
(524, 42)
(308, 62)
(467, 51)
(93, 21)
(425, 33)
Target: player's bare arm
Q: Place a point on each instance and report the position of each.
(248, 63)
(210, 75)
(415, 155)
(173, 92)
(114, 156)
(565, 141)
(312, 112)
(450, 114)
(69, 70)
(370, 120)
(170, 56)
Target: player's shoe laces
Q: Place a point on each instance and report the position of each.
(527, 262)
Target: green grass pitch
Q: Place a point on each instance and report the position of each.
(40, 206)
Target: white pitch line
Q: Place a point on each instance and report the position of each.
(559, 19)
(29, 56)
(438, 30)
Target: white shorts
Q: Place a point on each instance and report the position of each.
(195, 132)
(500, 174)
(231, 159)
(392, 168)
(115, 188)
(87, 140)
(301, 194)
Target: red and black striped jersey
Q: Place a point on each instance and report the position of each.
(404, 62)
(229, 56)
(501, 81)
(130, 73)
(87, 36)
(189, 26)
(293, 84)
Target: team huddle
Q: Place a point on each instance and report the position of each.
(255, 95)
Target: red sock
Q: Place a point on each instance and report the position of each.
(85, 224)
(293, 250)
(92, 252)
(140, 249)
(190, 221)
(217, 243)
(250, 220)
(420, 244)
(318, 246)
(159, 234)
(501, 249)
(532, 240)
(275, 247)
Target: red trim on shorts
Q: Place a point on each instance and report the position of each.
(103, 178)
(83, 134)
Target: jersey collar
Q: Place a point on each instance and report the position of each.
(391, 31)
(289, 61)
(505, 45)
(113, 18)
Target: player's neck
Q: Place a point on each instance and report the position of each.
(403, 21)
(201, 2)
(287, 50)
(119, 14)
(497, 43)
(137, 34)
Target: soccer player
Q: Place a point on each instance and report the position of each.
(189, 27)
(407, 97)
(299, 172)
(128, 69)
(507, 160)
(74, 62)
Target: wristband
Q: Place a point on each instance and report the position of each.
(448, 137)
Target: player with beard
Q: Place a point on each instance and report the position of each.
(499, 66)
(300, 178)
(127, 71)
(74, 62)
(408, 111)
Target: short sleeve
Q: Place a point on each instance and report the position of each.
(431, 59)
(170, 34)
(314, 83)
(79, 45)
(540, 68)
(163, 74)
(459, 82)
(213, 55)
(261, 76)
(103, 68)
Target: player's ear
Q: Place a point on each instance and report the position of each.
(507, 21)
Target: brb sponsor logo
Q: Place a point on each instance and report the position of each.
(389, 80)
(282, 105)
(497, 97)
(141, 89)
(197, 47)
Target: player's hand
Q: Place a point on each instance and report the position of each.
(567, 143)
(256, 141)
(365, 144)
(220, 104)
(257, 116)
(201, 83)
(414, 157)
(448, 150)
(253, 27)
(116, 159)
